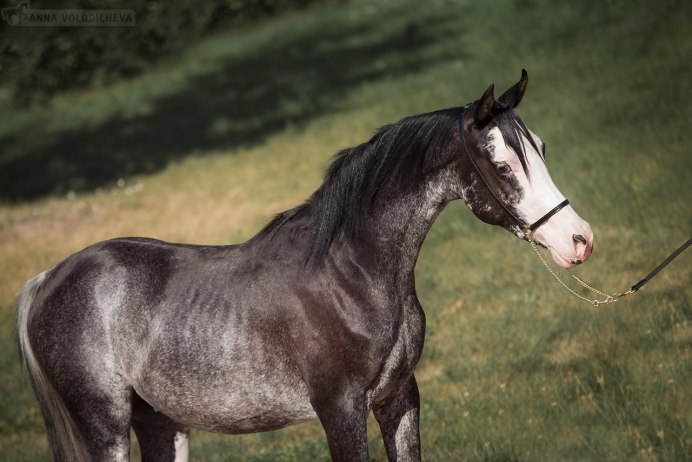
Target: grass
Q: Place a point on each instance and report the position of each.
(212, 143)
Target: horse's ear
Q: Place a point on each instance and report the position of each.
(485, 106)
(512, 97)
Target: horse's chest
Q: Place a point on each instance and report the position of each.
(404, 354)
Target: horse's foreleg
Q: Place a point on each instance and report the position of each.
(398, 418)
(344, 420)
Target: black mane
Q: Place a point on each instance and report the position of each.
(401, 153)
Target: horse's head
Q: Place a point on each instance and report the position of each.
(507, 182)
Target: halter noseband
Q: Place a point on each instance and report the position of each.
(526, 228)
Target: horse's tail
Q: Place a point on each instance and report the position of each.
(62, 437)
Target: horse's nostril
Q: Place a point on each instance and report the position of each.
(579, 238)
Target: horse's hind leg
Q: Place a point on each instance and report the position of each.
(99, 420)
(103, 421)
(85, 402)
(160, 438)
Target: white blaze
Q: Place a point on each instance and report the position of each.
(539, 196)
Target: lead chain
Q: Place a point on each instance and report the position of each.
(595, 302)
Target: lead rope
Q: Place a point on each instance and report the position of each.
(612, 298)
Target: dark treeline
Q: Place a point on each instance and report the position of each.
(37, 62)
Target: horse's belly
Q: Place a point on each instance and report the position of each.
(232, 405)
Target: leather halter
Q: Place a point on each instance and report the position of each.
(525, 227)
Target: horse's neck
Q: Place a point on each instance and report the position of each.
(393, 234)
(386, 243)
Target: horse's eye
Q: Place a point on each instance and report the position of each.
(503, 168)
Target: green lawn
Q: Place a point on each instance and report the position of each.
(211, 143)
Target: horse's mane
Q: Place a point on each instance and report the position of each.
(401, 153)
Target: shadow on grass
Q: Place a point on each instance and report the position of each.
(248, 98)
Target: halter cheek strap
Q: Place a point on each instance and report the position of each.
(525, 227)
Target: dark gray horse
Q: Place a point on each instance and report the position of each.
(314, 317)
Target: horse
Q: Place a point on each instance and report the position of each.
(316, 316)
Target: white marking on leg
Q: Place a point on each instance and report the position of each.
(403, 438)
(121, 454)
(182, 447)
